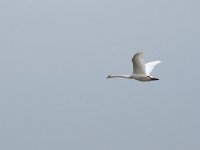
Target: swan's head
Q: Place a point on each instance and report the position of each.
(109, 76)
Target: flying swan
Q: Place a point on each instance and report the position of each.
(141, 71)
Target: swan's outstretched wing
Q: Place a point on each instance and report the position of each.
(150, 66)
(138, 64)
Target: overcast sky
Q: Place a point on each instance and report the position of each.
(54, 59)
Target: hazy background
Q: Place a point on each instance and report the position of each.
(55, 55)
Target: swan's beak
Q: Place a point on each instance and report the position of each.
(108, 77)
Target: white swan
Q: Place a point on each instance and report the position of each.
(141, 71)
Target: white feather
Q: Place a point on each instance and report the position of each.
(150, 66)
(141, 71)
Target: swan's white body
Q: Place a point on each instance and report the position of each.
(141, 71)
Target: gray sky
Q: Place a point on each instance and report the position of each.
(55, 55)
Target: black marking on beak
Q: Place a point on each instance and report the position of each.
(108, 76)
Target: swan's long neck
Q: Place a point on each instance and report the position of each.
(119, 76)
